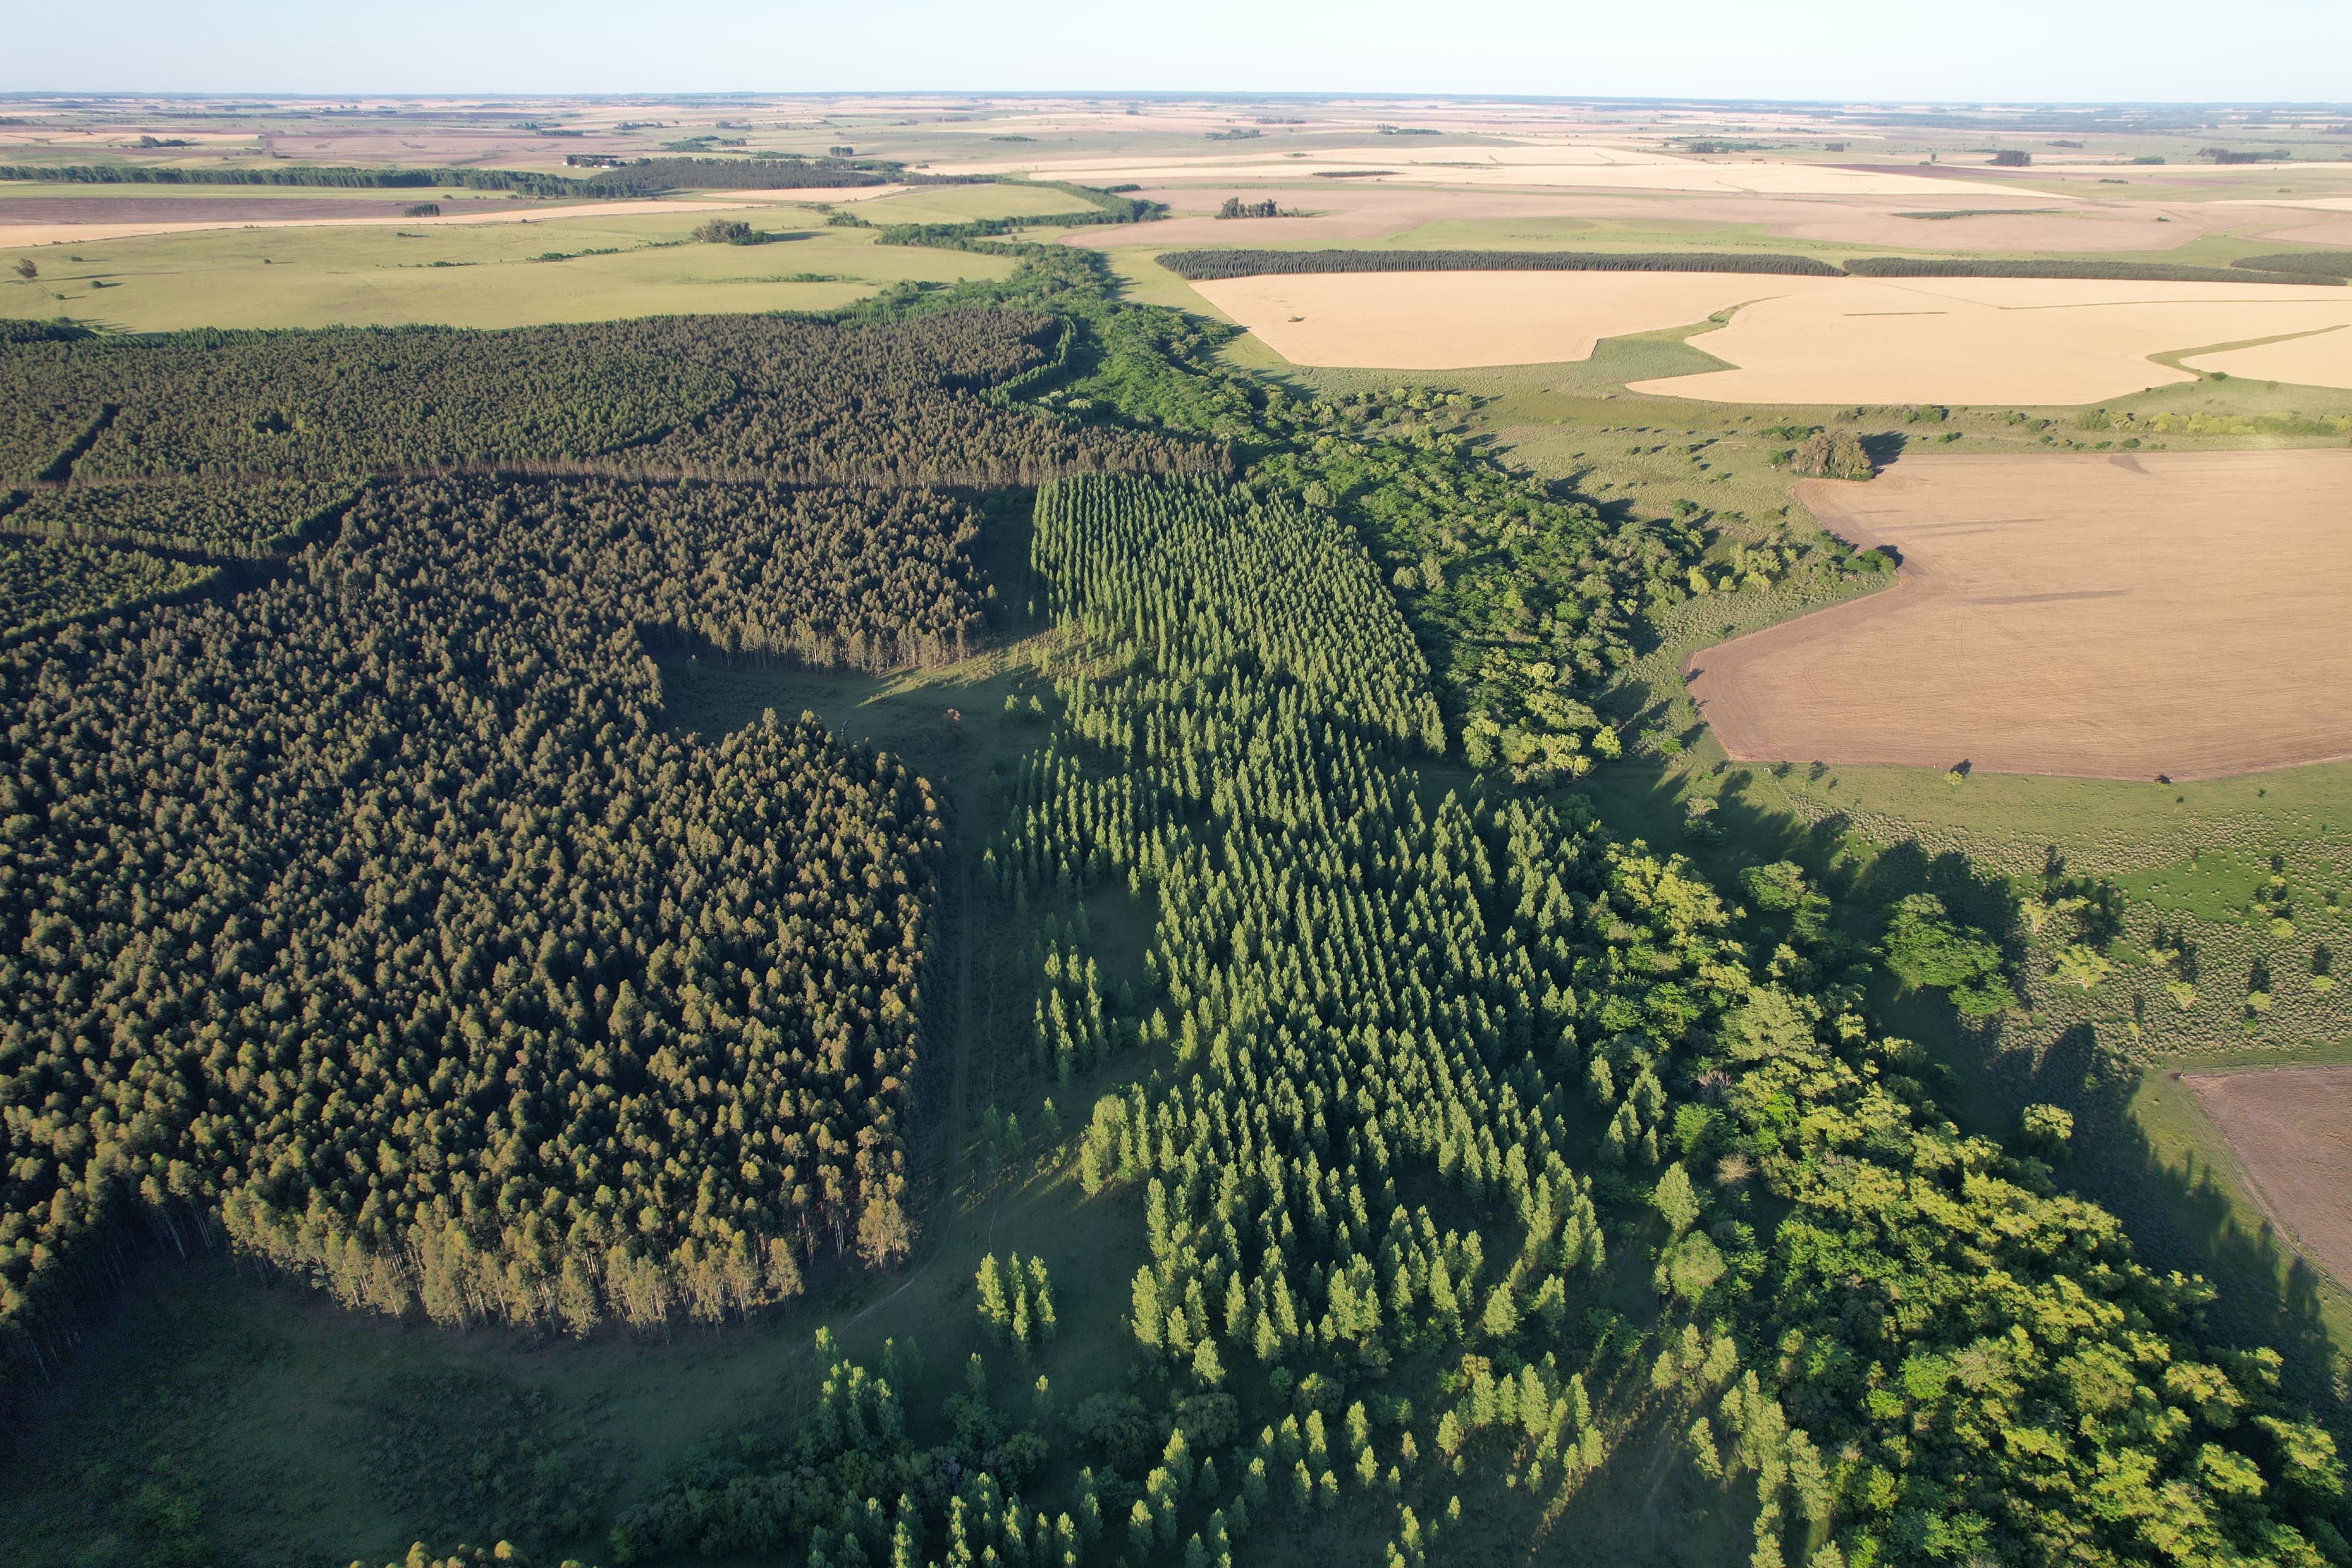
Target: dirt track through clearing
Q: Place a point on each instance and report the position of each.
(2291, 1129)
(2175, 613)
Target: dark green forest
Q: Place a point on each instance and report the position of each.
(359, 911)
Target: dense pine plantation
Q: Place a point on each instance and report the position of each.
(375, 911)
(236, 445)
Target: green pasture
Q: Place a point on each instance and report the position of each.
(639, 263)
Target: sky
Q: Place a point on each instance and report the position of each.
(1982, 51)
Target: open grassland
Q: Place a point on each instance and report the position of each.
(2067, 616)
(642, 262)
(2291, 1131)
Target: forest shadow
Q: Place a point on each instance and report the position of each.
(2181, 1213)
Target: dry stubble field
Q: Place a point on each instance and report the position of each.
(2291, 1130)
(2179, 614)
(1805, 340)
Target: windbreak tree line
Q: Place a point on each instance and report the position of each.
(374, 912)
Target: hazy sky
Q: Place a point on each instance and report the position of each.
(2277, 50)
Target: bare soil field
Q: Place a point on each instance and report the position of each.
(1984, 339)
(2291, 1129)
(2175, 613)
(1442, 320)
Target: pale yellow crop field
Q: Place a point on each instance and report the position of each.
(2319, 359)
(1446, 321)
(2123, 616)
(1806, 340)
(1990, 340)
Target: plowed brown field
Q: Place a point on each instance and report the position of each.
(2175, 613)
(2291, 1129)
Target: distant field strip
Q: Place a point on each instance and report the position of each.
(1203, 266)
(204, 212)
(2291, 1129)
(2177, 614)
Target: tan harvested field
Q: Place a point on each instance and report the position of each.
(1359, 209)
(2174, 612)
(2321, 359)
(1984, 339)
(2291, 1129)
(1560, 165)
(1442, 321)
(1794, 339)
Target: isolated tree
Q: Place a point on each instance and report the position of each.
(27, 269)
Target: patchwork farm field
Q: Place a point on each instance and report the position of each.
(1445, 320)
(1809, 340)
(1996, 340)
(2117, 617)
(2290, 1129)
